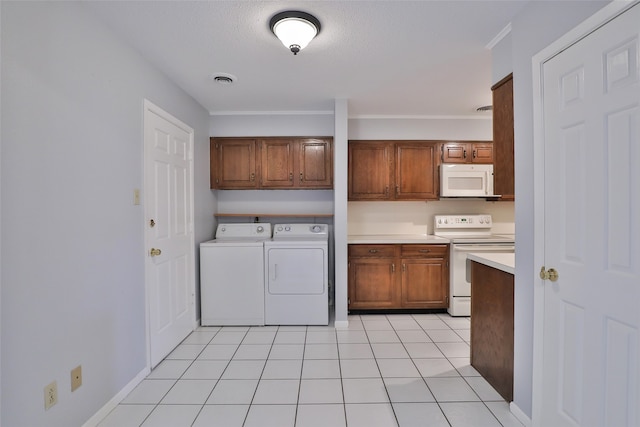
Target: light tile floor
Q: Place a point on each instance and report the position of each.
(383, 371)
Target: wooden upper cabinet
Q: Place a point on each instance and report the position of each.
(315, 163)
(503, 139)
(416, 175)
(286, 163)
(235, 165)
(467, 152)
(277, 163)
(370, 173)
(389, 170)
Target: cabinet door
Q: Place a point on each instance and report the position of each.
(482, 152)
(277, 163)
(415, 172)
(236, 160)
(503, 139)
(455, 152)
(372, 283)
(370, 166)
(315, 161)
(424, 283)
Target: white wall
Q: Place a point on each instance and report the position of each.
(534, 28)
(72, 241)
(437, 128)
(413, 217)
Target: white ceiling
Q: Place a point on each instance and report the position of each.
(388, 58)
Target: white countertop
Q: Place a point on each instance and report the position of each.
(501, 261)
(395, 238)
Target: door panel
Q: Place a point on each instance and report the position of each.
(591, 106)
(169, 203)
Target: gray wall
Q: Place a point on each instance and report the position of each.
(72, 247)
(534, 28)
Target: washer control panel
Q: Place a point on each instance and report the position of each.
(254, 230)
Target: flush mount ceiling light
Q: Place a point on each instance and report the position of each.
(294, 29)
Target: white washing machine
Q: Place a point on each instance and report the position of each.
(232, 275)
(296, 275)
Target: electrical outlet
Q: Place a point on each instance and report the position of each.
(76, 377)
(50, 395)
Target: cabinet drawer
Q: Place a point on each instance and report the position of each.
(372, 251)
(424, 250)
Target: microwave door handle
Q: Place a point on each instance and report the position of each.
(486, 182)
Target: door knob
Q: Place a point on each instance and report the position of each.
(550, 274)
(155, 252)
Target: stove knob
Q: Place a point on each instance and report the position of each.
(481, 220)
(439, 221)
(279, 228)
(316, 229)
(223, 229)
(287, 228)
(260, 229)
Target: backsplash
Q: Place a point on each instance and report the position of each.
(417, 217)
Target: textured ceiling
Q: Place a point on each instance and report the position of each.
(390, 58)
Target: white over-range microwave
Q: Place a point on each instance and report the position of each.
(466, 180)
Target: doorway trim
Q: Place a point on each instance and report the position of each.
(591, 24)
(151, 108)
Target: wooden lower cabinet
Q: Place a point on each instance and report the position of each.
(398, 276)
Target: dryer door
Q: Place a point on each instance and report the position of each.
(296, 271)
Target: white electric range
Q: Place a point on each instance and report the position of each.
(467, 233)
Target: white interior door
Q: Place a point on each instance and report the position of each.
(591, 321)
(168, 200)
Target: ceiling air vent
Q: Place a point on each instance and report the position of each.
(223, 78)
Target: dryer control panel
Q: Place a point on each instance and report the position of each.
(300, 231)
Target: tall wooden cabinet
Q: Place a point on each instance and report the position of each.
(393, 170)
(271, 163)
(396, 276)
(503, 138)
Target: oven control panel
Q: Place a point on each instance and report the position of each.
(462, 221)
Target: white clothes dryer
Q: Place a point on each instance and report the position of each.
(296, 275)
(232, 275)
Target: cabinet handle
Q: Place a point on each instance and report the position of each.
(397, 190)
(386, 190)
(404, 267)
(393, 268)
(252, 177)
(464, 153)
(424, 251)
(475, 154)
(301, 177)
(373, 251)
(290, 176)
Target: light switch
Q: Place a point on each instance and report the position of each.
(136, 196)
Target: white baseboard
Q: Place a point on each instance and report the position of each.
(110, 406)
(521, 416)
(341, 324)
